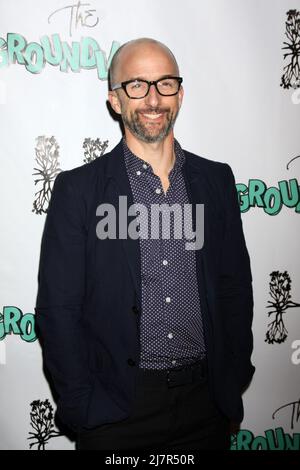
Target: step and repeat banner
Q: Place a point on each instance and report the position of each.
(241, 67)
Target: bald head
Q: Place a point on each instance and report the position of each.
(133, 50)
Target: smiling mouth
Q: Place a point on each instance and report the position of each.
(151, 116)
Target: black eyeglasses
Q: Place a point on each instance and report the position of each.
(138, 88)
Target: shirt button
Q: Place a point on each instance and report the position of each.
(170, 335)
(165, 262)
(138, 172)
(158, 190)
(145, 166)
(174, 362)
(168, 300)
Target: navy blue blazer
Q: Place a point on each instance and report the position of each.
(89, 296)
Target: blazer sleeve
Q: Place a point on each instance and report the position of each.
(59, 312)
(236, 295)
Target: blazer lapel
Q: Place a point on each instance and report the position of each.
(198, 192)
(121, 187)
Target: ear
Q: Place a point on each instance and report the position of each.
(114, 101)
(180, 96)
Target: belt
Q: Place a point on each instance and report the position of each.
(197, 371)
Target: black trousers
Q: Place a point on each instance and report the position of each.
(172, 411)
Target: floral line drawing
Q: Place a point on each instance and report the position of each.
(93, 149)
(291, 75)
(41, 420)
(47, 154)
(280, 288)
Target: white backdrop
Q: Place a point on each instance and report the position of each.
(231, 57)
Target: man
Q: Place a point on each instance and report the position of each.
(148, 342)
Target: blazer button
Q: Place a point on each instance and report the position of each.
(130, 362)
(135, 310)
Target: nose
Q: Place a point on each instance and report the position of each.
(153, 96)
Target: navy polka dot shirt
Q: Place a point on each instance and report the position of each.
(171, 326)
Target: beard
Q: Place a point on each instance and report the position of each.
(150, 132)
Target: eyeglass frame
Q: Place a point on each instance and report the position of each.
(149, 83)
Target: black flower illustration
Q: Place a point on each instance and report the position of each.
(280, 288)
(291, 76)
(47, 158)
(93, 149)
(41, 420)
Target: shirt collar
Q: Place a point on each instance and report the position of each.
(135, 164)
